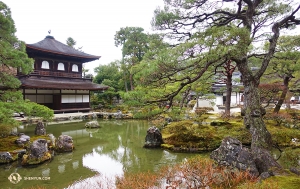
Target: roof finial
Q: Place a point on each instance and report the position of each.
(49, 32)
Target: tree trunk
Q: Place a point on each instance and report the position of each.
(261, 144)
(228, 94)
(283, 94)
(131, 82)
(125, 82)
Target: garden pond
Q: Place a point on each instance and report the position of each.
(110, 150)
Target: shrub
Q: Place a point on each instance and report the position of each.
(281, 118)
(5, 130)
(193, 173)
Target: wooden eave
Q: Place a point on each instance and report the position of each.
(60, 83)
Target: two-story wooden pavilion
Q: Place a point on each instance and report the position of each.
(57, 81)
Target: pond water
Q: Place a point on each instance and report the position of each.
(110, 150)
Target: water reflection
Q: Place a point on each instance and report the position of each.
(61, 168)
(75, 165)
(102, 164)
(46, 172)
(110, 150)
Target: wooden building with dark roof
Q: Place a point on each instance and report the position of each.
(57, 81)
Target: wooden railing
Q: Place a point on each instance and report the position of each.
(57, 74)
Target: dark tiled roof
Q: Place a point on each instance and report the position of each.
(60, 83)
(50, 45)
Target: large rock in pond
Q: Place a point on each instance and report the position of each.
(232, 153)
(37, 153)
(40, 129)
(64, 143)
(153, 138)
(5, 157)
(92, 124)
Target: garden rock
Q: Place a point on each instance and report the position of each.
(5, 157)
(92, 124)
(295, 170)
(37, 153)
(64, 143)
(24, 139)
(232, 153)
(153, 138)
(40, 129)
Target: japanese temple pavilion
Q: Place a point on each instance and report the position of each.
(57, 81)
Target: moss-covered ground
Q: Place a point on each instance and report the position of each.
(190, 135)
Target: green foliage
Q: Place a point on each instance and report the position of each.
(5, 131)
(175, 113)
(147, 112)
(13, 57)
(112, 73)
(71, 42)
(106, 98)
(134, 45)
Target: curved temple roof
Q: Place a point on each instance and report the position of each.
(50, 45)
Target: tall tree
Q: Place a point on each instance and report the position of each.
(284, 65)
(12, 57)
(134, 45)
(228, 67)
(208, 32)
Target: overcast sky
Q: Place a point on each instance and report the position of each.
(91, 23)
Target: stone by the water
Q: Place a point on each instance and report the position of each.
(232, 153)
(153, 138)
(37, 153)
(64, 143)
(92, 124)
(40, 129)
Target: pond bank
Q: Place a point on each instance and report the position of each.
(78, 116)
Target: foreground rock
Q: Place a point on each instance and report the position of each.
(153, 138)
(232, 153)
(92, 124)
(64, 143)
(37, 153)
(24, 139)
(5, 157)
(40, 129)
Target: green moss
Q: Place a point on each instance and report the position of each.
(167, 146)
(8, 144)
(188, 133)
(282, 135)
(282, 182)
(290, 157)
(32, 161)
